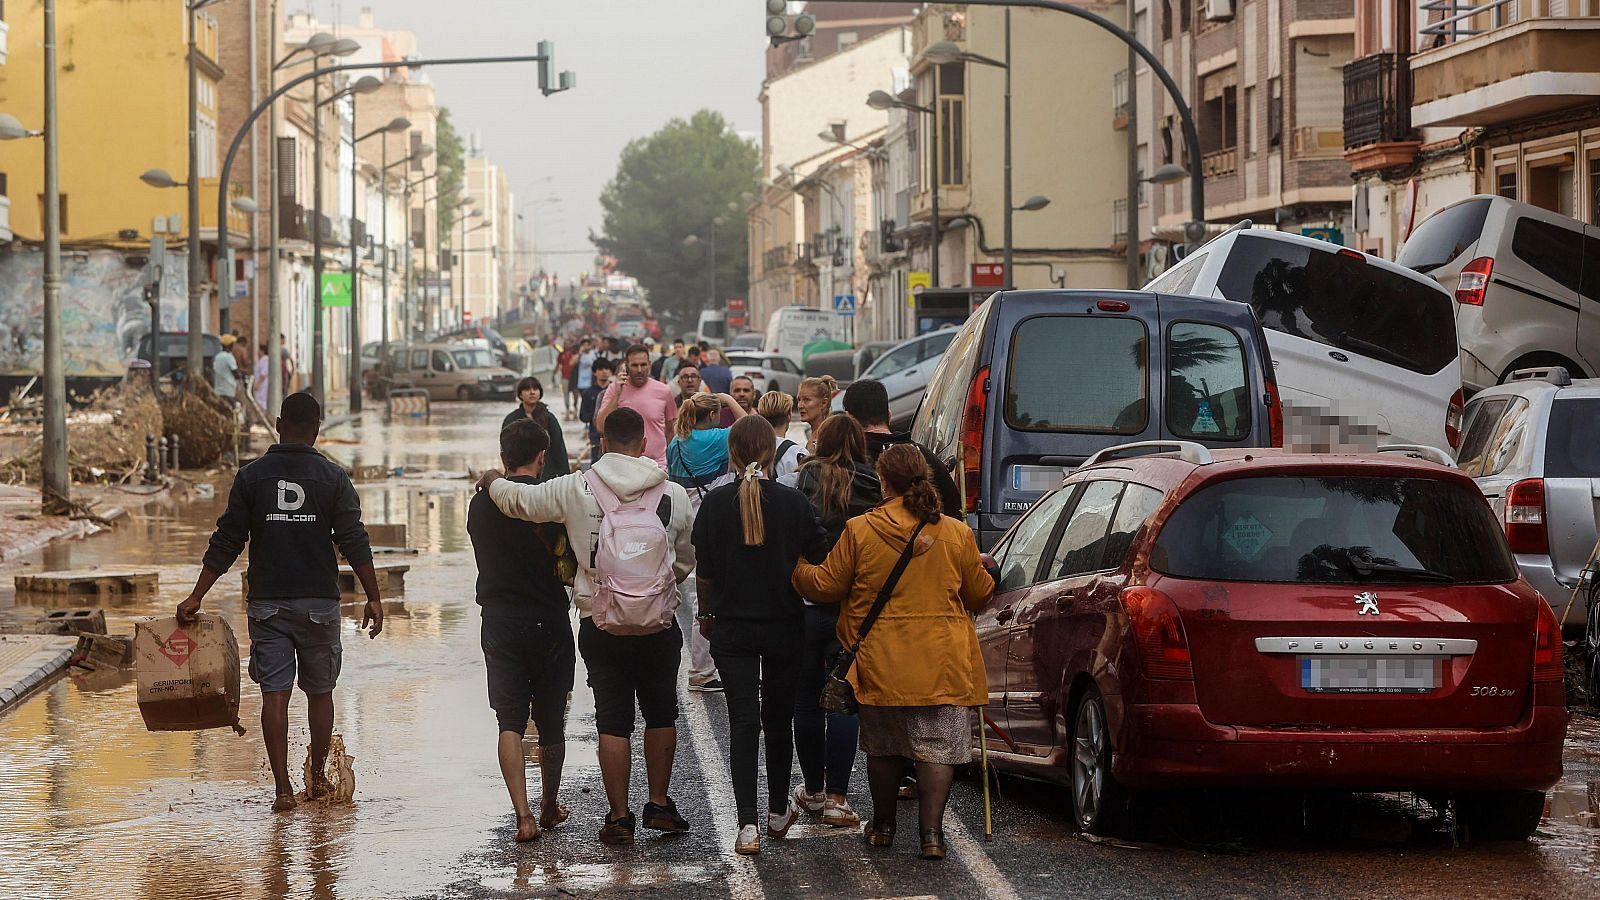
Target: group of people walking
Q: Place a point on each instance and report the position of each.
(836, 560)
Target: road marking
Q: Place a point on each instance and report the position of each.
(977, 863)
(744, 882)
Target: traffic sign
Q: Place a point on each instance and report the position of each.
(335, 289)
(914, 282)
(844, 304)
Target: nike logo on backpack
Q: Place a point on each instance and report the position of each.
(633, 550)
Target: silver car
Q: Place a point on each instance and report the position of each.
(905, 371)
(1533, 446)
(770, 371)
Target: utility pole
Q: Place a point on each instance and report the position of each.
(56, 488)
(1011, 207)
(274, 223)
(319, 373)
(1135, 276)
(355, 267)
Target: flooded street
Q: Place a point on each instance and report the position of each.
(91, 804)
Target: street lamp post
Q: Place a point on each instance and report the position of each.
(55, 487)
(383, 182)
(412, 291)
(196, 349)
(883, 100)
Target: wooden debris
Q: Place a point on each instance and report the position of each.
(102, 584)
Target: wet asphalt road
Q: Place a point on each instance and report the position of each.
(93, 805)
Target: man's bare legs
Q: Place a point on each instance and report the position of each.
(551, 758)
(514, 771)
(660, 745)
(319, 709)
(275, 731)
(616, 769)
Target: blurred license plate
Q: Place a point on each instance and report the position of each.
(1036, 479)
(1368, 674)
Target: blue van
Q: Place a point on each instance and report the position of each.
(1037, 381)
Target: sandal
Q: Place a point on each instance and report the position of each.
(878, 835)
(933, 846)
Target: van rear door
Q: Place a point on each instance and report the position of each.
(1214, 383)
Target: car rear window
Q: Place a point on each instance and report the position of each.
(1444, 236)
(1047, 352)
(1208, 389)
(1335, 530)
(1553, 251)
(1572, 446)
(1352, 304)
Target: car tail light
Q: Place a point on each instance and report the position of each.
(972, 420)
(1274, 413)
(1112, 306)
(1525, 525)
(1356, 255)
(1548, 664)
(1159, 632)
(1452, 418)
(1474, 281)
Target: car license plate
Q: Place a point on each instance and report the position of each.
(1368, 674)
(1036, 479)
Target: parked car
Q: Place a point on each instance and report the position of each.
(1533, 446)
(770, 371)
(750, 340)
(904, 371)
(1038, 381)
(846, 365)
(1365, 349)
(175, 351)
(1259, 618)
(370, 359)
(449, 372)
(1520, 275)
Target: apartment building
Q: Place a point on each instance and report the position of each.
(1449, 100)
(485, 258)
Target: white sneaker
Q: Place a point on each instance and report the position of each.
(778, 824)
(813, 804)
(839, 815)
(748, 842)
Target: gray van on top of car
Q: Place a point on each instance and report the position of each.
(1526, 282)
(1036, 382)
(1533, 446)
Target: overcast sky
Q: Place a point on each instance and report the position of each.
(639, 63)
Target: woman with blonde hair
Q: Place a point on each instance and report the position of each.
(748, 536)
(697, 457)
(917, 667)
(778, 408)
(815, 402)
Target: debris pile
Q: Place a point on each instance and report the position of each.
(202, 422)
(105, 441)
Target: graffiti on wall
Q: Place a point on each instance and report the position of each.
(103, 311)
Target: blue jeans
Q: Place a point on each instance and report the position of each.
(825, 742)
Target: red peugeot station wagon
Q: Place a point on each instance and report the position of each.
(1173, 617)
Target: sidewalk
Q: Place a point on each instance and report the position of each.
(27, 661)
(24, 529)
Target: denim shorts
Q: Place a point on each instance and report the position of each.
(290, 637)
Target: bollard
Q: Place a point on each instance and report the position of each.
(161, 454)
(151, 465)
(174, 465)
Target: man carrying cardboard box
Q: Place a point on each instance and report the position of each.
(293, 505)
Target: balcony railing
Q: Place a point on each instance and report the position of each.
(1377, 100)
(1220, 162)
(292, 222)
(1457, 20)
(777, 257)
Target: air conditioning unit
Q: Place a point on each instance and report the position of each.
(1219, 10)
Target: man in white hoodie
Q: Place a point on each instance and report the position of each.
(620, 667)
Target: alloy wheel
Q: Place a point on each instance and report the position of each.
(1088, 768)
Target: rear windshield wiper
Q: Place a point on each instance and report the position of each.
(1409, 573)
(1367, 348)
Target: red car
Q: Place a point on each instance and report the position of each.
(1173, 617)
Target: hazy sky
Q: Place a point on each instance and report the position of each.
(638, 63)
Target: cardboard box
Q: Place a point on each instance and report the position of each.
(188, 675)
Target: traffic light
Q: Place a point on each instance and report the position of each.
(564, 81)
(779, 24)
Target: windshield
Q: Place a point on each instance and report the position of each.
(475, 359)
(1350, 303)
(1334, 530)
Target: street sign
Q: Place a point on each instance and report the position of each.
(844, 304)
(988, 275)
(335, 289)
(916, 281)
(735, 304)
(1329, 234)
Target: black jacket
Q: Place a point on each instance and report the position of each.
(517, 576)
(752, 583)
(556, 462)
(949, 495)
(292, 506)
(865, 493)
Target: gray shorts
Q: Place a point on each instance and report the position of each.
(290, 634)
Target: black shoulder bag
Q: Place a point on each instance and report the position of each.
(837, 695)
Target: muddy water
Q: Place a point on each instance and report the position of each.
(91, 802)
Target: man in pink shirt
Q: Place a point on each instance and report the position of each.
(649, 398)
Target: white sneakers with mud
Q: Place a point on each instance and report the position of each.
(778, 824)
(749, 841)
(839, 814)
(812, 803)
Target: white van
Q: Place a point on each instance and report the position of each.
(1521, 276)
(791, 328)
(712, 327)
(1364, 349)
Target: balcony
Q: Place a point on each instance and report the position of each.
(1220, 162)
(1119, 100)
(292, 222)
(1318, 140)
(238, 222)
(777, 257)
(1501, 61)
(1377, 113)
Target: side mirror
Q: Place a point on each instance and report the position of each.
(990, 566)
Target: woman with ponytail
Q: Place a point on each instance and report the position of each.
(748, 537)
(697, 457)
(918, 670)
